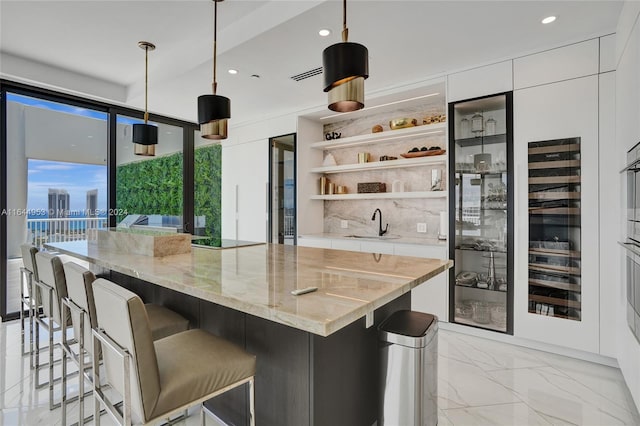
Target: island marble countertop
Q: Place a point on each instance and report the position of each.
(258, 279)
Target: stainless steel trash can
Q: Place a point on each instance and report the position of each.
(409, 369)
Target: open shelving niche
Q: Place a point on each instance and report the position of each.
(312, 148)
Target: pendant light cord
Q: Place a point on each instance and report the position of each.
(215, 42)
(345, 30)
(146, 84)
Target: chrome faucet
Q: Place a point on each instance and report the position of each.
(381, 231)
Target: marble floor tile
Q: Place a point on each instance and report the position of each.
(489, 355)
(559, 398)
(480, 383)
(464, 385)
(517, 413)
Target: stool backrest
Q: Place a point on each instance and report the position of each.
(123, 317)
(80, 291)
(51, 273)
(28, 258)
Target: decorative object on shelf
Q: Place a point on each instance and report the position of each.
(214, 111)
(363, 157)
(490, 127)
(434, 119)
(377, 129)
(477, 123)
(402, 123)
(331, 188)
(465, 129)
(442, 231)
(341, 189)
(323, 185)
(145, 136)
(491, 271)
(371, 187)
(387, 157)
(332, 135)
(346, 66)
(436, 180)
(481, 312)
(426, 153)
(329, 160)
(467, 278)
(397, 186)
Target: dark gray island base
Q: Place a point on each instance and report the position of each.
(302, 378)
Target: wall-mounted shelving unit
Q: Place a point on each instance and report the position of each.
(381, 195)
(379, 165)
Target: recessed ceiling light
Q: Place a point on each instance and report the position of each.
(255, 76)
(548, 19)
(232, 71)
(324, 32)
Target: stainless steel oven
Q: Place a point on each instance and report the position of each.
(633, 193)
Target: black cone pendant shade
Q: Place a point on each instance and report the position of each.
(214, 110)
(345, 67)
(145, 136)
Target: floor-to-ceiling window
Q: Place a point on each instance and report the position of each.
(56, 177)
(68, 165)
(150, 185)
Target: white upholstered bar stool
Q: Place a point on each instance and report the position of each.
(159, 379)
(27, 296)
(50, 288)
(81, 305)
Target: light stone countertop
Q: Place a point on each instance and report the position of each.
(372, 237)
(258, 279)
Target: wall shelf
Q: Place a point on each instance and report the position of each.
(381, 195)
(378, 165)
(390, 135)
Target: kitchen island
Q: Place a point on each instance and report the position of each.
(317, 353)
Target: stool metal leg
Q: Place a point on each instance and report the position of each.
(252, 414)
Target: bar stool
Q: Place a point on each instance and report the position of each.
(159, 379)
(50, 287)
(27, 301)
(80, 304)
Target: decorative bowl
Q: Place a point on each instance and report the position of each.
(401, 123)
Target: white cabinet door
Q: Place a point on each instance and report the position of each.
(573, 61)
(554, 111)
(376, 247)
(431, 297)
(314, 242)
(481, 81)
(245, 169)
(351, 245)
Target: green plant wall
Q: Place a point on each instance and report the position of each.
(154, 186)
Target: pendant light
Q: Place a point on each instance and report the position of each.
(213, 110)
(346, 66)
(145, 136)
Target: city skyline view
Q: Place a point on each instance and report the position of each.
(76, 179)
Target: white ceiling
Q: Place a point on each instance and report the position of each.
(408, 41)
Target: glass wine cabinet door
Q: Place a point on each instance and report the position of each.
(481, 222)
(554, 228)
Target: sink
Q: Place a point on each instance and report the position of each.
(373, 237)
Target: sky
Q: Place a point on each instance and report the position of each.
(77, 179)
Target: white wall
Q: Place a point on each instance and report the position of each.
(627, 135)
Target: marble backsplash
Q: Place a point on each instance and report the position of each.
(402, 215)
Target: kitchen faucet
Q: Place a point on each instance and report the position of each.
(381, 231)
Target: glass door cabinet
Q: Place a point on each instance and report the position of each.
(481, 212)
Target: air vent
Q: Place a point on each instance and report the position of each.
(307, 74)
